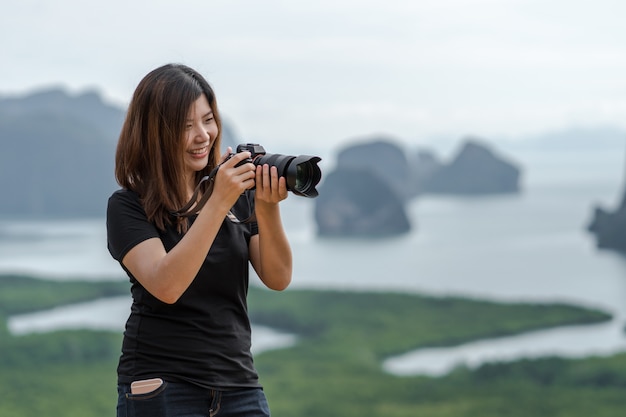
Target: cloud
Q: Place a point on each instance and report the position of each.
(343, 66)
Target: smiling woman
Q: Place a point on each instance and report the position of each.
(189, 328)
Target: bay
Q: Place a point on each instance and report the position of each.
(530, 246)
(110, 314)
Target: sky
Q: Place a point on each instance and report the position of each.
(325, 72)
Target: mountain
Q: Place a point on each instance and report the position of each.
(476, 170)
(57, 154)
(57, 157)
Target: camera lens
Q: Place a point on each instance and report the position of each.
(301, 172)
(303, 175)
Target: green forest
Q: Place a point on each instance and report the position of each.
(334, 369)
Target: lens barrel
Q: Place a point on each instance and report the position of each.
(301, 172)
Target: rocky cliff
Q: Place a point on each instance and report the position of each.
(476, 169)
(357, 202)
(609, 227)
(366, 194)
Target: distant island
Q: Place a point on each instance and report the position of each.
(609, 227)
(365, 195)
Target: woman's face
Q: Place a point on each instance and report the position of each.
(200, 131)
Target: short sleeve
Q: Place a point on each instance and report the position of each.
(127, 223)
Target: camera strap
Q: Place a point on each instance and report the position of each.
(193, 206)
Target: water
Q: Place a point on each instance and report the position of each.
(110, 314)
(527, 247)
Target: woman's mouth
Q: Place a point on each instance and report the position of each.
(200, 152)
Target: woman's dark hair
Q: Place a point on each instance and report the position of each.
(150, 152)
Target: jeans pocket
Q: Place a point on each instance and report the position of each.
(148, 395)
(150, 404)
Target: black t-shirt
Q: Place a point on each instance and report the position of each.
(204, 338)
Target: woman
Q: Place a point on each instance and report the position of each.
(186, 348)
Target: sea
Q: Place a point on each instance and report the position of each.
(531, 246)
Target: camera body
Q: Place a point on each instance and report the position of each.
(254, 148)
(301, 172)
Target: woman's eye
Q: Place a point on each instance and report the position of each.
(208, 120)
(188, 126)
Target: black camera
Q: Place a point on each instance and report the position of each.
(301, 172)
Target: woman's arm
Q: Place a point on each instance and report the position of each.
(167, 275)
(270, 253)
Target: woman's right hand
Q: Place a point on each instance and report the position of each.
(233, 179)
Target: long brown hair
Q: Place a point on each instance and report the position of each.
(150, 152)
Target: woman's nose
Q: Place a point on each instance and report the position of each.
(202, 133)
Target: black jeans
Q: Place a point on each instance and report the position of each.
(177, 399)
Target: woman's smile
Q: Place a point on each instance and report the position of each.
(199, 153)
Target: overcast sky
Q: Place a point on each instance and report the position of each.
(326, 71)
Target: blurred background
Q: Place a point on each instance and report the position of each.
(471, 148)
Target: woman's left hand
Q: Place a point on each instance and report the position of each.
(269, 187)
(270, 253)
